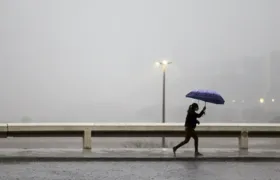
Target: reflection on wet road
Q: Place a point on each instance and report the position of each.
(140, 171)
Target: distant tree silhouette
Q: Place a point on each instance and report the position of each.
(26, 119)
(276, 119)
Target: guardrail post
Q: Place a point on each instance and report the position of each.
(243, 140)
(87, 139)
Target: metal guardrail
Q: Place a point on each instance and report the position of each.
(88, 130)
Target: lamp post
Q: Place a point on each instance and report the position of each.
(163, 65)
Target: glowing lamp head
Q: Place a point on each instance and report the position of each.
(164, 62)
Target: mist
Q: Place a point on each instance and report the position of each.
(93, 60)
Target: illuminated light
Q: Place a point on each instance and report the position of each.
(233, 101)
(261, 100)
(273, 100)
(164, 62)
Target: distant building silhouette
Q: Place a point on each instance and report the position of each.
(273, 95)
(254, 78)
(243, 80)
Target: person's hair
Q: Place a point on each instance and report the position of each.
(192, 107)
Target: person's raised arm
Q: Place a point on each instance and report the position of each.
(202, 112)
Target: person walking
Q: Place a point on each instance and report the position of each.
(190, 125)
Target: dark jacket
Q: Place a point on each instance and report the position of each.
(191, 119)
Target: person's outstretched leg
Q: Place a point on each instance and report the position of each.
(187, 139)
(195, 137)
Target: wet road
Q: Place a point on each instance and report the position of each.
(140, 171)
(33, 143)
(171, 170)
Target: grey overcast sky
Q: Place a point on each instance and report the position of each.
(93, 60)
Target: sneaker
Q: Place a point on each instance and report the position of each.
(198, 154)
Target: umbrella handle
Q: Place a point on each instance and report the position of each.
(205, 104)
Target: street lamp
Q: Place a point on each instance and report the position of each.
(261, 100)
(163, 65)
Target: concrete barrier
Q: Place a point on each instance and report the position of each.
(88, 130)
(3, 130)
(52, 130)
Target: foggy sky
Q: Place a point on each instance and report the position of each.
(93, 60)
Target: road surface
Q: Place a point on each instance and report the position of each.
(139, 171)
(34, 143)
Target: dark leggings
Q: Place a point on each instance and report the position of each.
(190, 132)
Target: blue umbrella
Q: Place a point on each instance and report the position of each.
(207, 96)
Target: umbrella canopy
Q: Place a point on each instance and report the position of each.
(207, 96)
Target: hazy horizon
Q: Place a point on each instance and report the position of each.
(94, 60)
